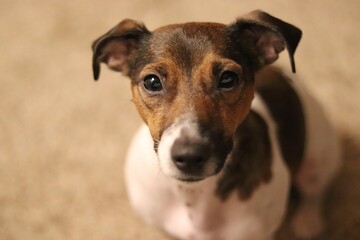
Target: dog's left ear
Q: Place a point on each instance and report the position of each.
(117, 45)
(262, 37)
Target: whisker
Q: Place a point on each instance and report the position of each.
(156, 144)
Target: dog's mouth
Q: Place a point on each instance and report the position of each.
(190, 179)
(212, 168)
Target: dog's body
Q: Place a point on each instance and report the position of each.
(193, 211)
(220, 169)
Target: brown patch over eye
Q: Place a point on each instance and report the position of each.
(228, 80)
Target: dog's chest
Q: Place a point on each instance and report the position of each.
(193, 211)
(203, 209)
(199, 215)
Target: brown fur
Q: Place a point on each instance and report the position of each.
(251, 142)
(285, 106)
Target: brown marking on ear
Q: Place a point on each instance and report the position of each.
(117, 45)
(250, 163)
(262, 37)
(286, 109)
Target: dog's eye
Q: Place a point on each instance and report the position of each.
(152, 83)
(228, 80)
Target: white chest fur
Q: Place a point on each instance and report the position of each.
(192, 211)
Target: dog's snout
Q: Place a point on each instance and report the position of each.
(188, 156)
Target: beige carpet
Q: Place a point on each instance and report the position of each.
(63, 136)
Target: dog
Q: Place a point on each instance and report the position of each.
(226, 137)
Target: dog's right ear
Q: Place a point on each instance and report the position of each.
(117, 45)
(262, 37)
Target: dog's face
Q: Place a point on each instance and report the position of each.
(192, 95)
(193, 83)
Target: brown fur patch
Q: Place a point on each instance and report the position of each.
(250, 162)
(286, 109)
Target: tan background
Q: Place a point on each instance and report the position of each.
(63, 136)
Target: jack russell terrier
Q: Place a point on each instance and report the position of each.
(223, 143)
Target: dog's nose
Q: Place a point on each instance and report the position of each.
(189, 157)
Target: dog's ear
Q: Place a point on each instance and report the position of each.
(116, 46)
(262, 37)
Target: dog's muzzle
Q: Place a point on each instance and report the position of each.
(188, 152)
(190, 156)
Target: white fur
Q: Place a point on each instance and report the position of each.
(192, 211)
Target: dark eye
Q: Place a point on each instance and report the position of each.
(228, 80)
(152, 83)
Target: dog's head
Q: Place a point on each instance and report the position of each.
(193, 83)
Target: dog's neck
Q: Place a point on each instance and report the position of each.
(199, 201)
(192, 192)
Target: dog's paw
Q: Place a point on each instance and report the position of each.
(307, 223)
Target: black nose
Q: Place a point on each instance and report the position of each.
(189, 156)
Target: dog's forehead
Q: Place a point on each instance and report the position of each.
(188, 43)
